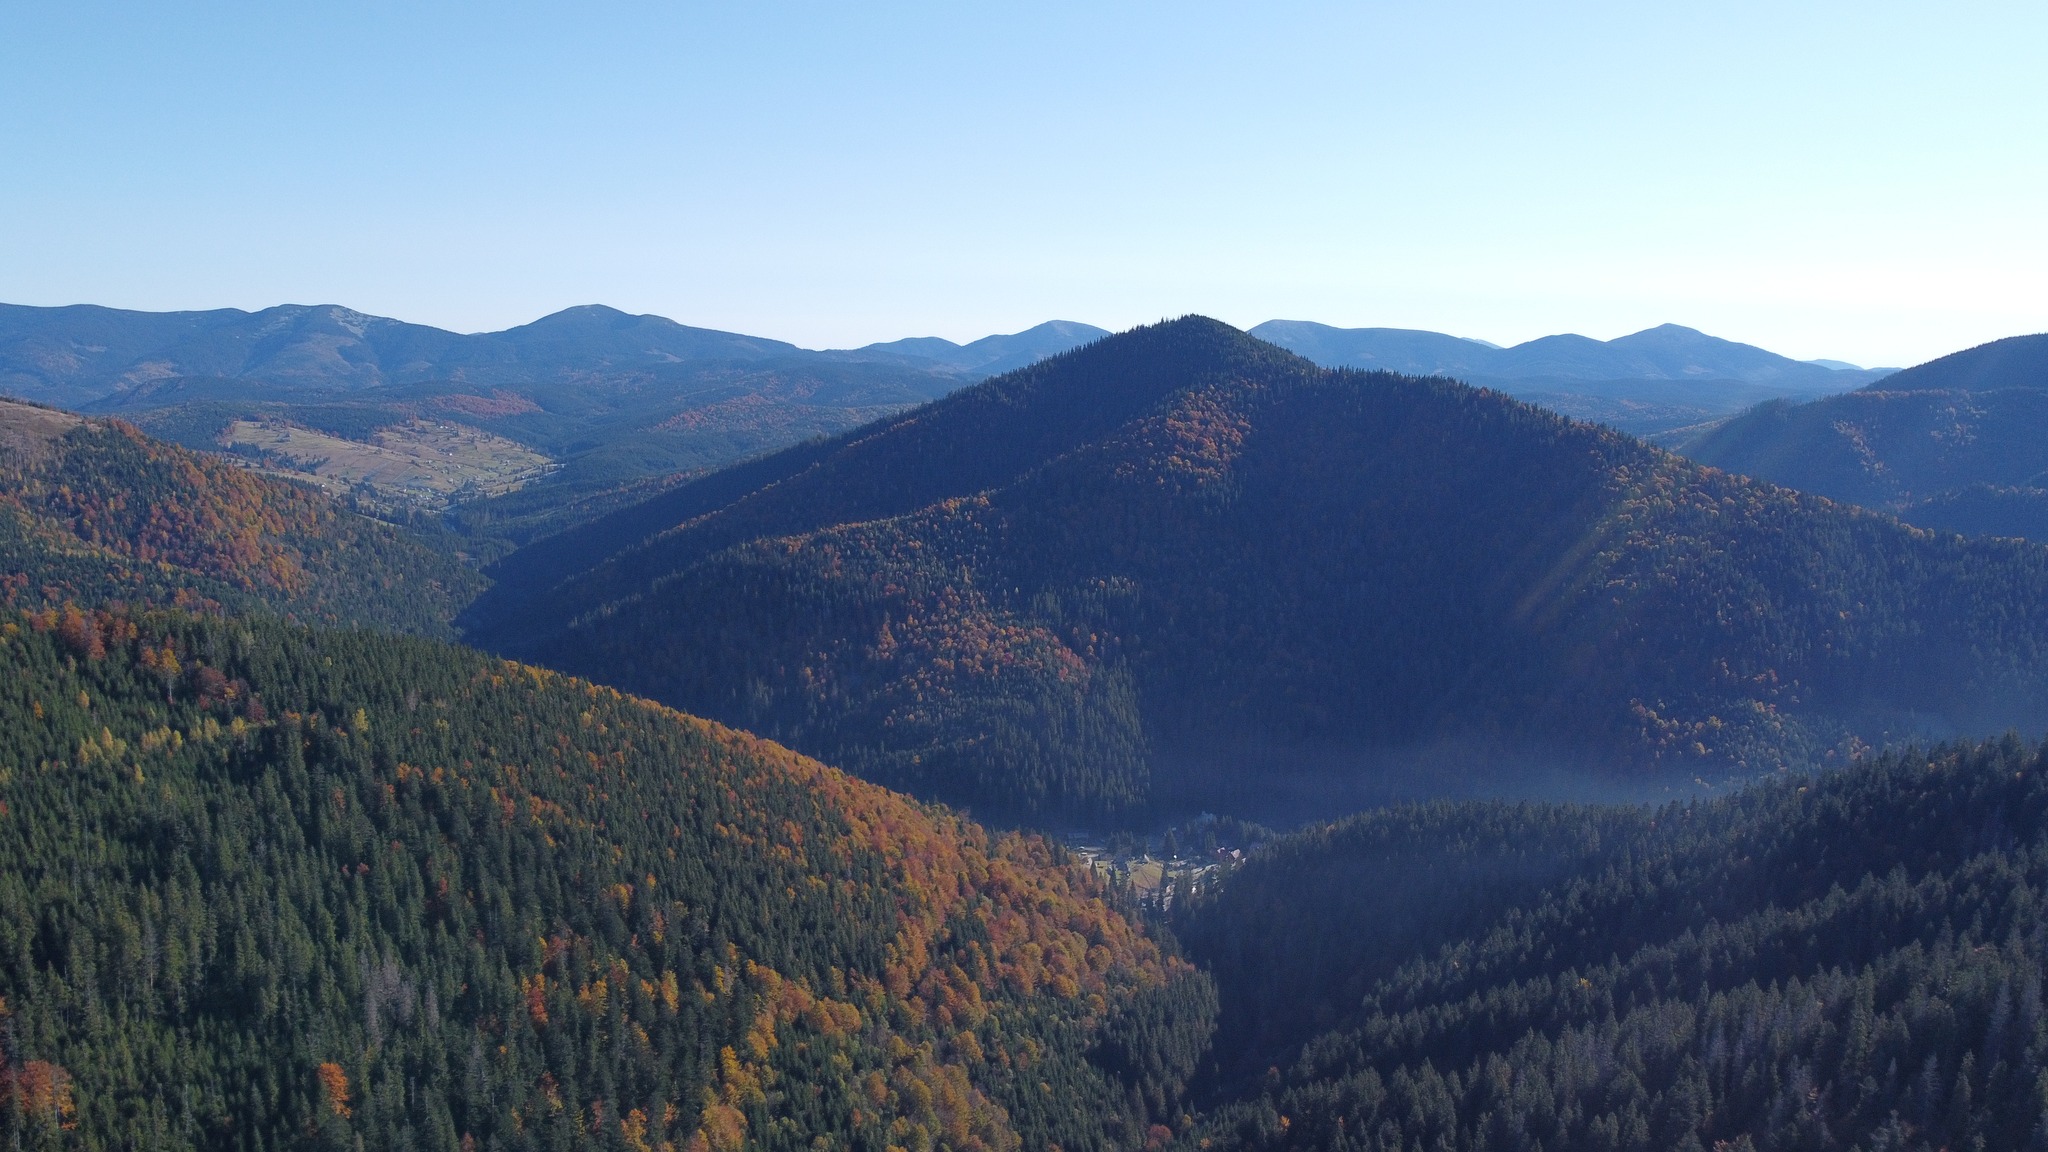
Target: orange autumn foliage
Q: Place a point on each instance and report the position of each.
(334, 1088)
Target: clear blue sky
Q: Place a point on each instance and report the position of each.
(1866, 181)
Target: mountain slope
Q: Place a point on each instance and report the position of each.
(1956, 443)
(265, 887)
(94, 511)
(1181, 568)
(1852, 960)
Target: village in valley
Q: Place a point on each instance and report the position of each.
(1158, 871)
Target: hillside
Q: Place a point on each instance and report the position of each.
(1183, 569)
(262, 887)
(1852, 960)
(93, 511)
(1958, 444)
(1655, 380)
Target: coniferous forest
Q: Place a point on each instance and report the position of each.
(1851, 960)
(264, 887)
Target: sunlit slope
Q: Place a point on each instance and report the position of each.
(1183, 568)
(264, 887)
(96, 512)
(1846, 961)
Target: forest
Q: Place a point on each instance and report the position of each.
(95, 512)
(1851, 960)
(266, 887)
(1182, 569)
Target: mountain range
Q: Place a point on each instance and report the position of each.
(611, 407)
(85, 355)
(608, 405)
(275, 874)
(1650, 381)
(1182, 568)
(1958, 444)
(1666, 352)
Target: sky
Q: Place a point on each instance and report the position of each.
(1867, 181)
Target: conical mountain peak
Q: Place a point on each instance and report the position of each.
(1182, 568)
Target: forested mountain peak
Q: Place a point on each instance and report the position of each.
(975, 439)
(1181, 567)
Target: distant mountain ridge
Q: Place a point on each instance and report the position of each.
(621, 405)
(617, 404)
(75, 354)
(992, 355)
(1649, 382)
(1666, 352)
(81, 354)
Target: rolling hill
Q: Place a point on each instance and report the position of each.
(1959, 443)
(1181, 568)
(1651, 381)
(1847, 961)
(96, 512)
(268, 887)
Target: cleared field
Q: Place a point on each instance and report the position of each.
(27, 433)
(423, 463)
